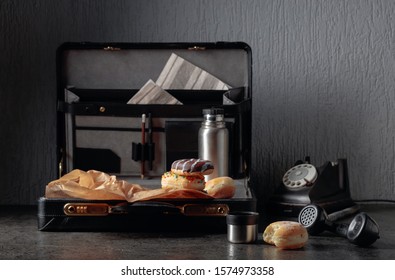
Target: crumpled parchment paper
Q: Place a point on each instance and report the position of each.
(97, 185)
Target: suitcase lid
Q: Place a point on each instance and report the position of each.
(131, 65)
(111, 71)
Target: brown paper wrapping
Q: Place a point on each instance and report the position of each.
(97, 185)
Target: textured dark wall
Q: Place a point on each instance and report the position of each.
(323, 79)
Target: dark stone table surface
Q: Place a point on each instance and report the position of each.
(21, 240)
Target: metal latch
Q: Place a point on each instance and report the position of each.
(93, 209)
(205, 209)
(110, 48)
(196, 48)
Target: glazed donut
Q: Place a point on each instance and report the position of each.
(286, 235)
(188, 167)
(175, 181)
(220, 187)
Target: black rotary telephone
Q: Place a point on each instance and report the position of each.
(304, 184)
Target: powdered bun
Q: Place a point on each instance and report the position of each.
(175, 181)
(220, 187)
(286, 235)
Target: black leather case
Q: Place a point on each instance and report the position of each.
(97, 129)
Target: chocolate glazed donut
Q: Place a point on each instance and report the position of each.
(192, 166)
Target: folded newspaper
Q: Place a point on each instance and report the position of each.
(151, 93)
(178, 73)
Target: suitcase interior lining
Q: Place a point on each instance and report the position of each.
(132, 68)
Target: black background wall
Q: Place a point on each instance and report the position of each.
(323, 79)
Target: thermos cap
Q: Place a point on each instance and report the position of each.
(242, 226)
(242, 218)
(213, 111)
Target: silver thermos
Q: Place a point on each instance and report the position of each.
(214, 142)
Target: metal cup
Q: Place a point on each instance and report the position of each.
(242, 226)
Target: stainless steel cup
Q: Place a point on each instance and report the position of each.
(242, 226)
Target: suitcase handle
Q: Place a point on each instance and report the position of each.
(192, 209)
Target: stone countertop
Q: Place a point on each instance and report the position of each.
(20, 239)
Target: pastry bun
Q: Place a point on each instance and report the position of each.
(286, 235)
(175, 181)
(192, 167)
(220, 187)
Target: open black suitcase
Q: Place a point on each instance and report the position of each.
(98, 130)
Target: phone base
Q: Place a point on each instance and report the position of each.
(330, 190)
